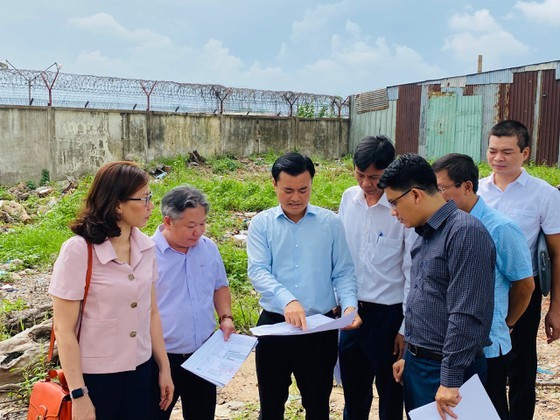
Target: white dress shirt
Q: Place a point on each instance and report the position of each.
(380, 247)
(531, 202)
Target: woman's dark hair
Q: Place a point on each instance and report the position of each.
(113, 182)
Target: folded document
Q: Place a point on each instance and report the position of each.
(315, 323)
(217, 360)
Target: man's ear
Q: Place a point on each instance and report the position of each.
(166, 221)
(418, 194)
(468, 186)
(526, 153)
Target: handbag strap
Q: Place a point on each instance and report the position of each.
(86, 290)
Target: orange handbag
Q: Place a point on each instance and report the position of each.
(50, 397)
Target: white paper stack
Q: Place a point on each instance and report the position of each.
(217, 360)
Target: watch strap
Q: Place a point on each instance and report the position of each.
(79, 392)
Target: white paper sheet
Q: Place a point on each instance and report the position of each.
(474, 405)
(315, 323)
(217, 360)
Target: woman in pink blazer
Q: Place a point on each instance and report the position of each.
(109, 368)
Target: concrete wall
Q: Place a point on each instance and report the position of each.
(77, 141)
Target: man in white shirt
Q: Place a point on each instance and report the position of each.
(380, 248)
(533, 204)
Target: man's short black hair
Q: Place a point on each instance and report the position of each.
(460, 168)
(512, 128)
(408, 171)
(376, 150)
(293, 164)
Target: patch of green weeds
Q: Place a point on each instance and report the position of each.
(35, 371)
(223, 164)
(8, 307)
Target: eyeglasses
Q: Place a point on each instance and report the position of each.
(456, 185)
(393, 203)
(146, 199)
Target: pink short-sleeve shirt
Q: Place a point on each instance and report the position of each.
(115, 335)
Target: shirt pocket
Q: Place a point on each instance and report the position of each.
(98, 337)
(386, 250)
(526, 220)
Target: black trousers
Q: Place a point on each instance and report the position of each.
(366, 355)
(121, 395)
(496, 384)
(310, 357)
(198, 396)
(522, 369)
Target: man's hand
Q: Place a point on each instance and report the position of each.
(446, 399)
(295, 314)
(227, 327)
(356, 322)
(552, 326)
(398, 370)
(398, 346)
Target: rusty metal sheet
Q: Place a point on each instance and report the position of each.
(549, 122)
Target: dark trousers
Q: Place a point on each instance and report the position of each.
(310, 357)
(496, 384)
(365, 355)
(421, 378)
(198, 396)
(121, 395)
(522, 369)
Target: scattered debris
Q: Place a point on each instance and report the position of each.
(195, 158)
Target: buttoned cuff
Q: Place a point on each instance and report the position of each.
(451, 377)
(285, 297)
(348, 303)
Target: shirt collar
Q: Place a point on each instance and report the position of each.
(278, 212)
(521, 179)
(161, 241)
(138, 243)
(360, 198)
(437, 219)
(479, 208)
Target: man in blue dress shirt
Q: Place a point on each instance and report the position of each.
(451, 299)
(457, 177)
(192, 287)
(300, 264)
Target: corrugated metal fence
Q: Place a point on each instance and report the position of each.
(455, 114)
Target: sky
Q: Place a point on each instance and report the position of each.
(338, 47)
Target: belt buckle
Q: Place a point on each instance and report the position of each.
(413, 349)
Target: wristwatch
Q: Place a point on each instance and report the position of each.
(225, 316)
(79, 392)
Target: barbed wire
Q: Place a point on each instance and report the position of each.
(41, 88)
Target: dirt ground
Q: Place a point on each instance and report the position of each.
(239, 398)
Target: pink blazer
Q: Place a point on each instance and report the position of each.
(115, 334)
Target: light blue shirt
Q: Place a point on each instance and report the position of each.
(185, 292)
(513, 263)
(305, 261)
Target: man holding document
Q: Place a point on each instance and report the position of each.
(299, 262)
(192, 285)
(451, 299)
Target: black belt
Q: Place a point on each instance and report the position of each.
(432, 355)
(425, 353)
